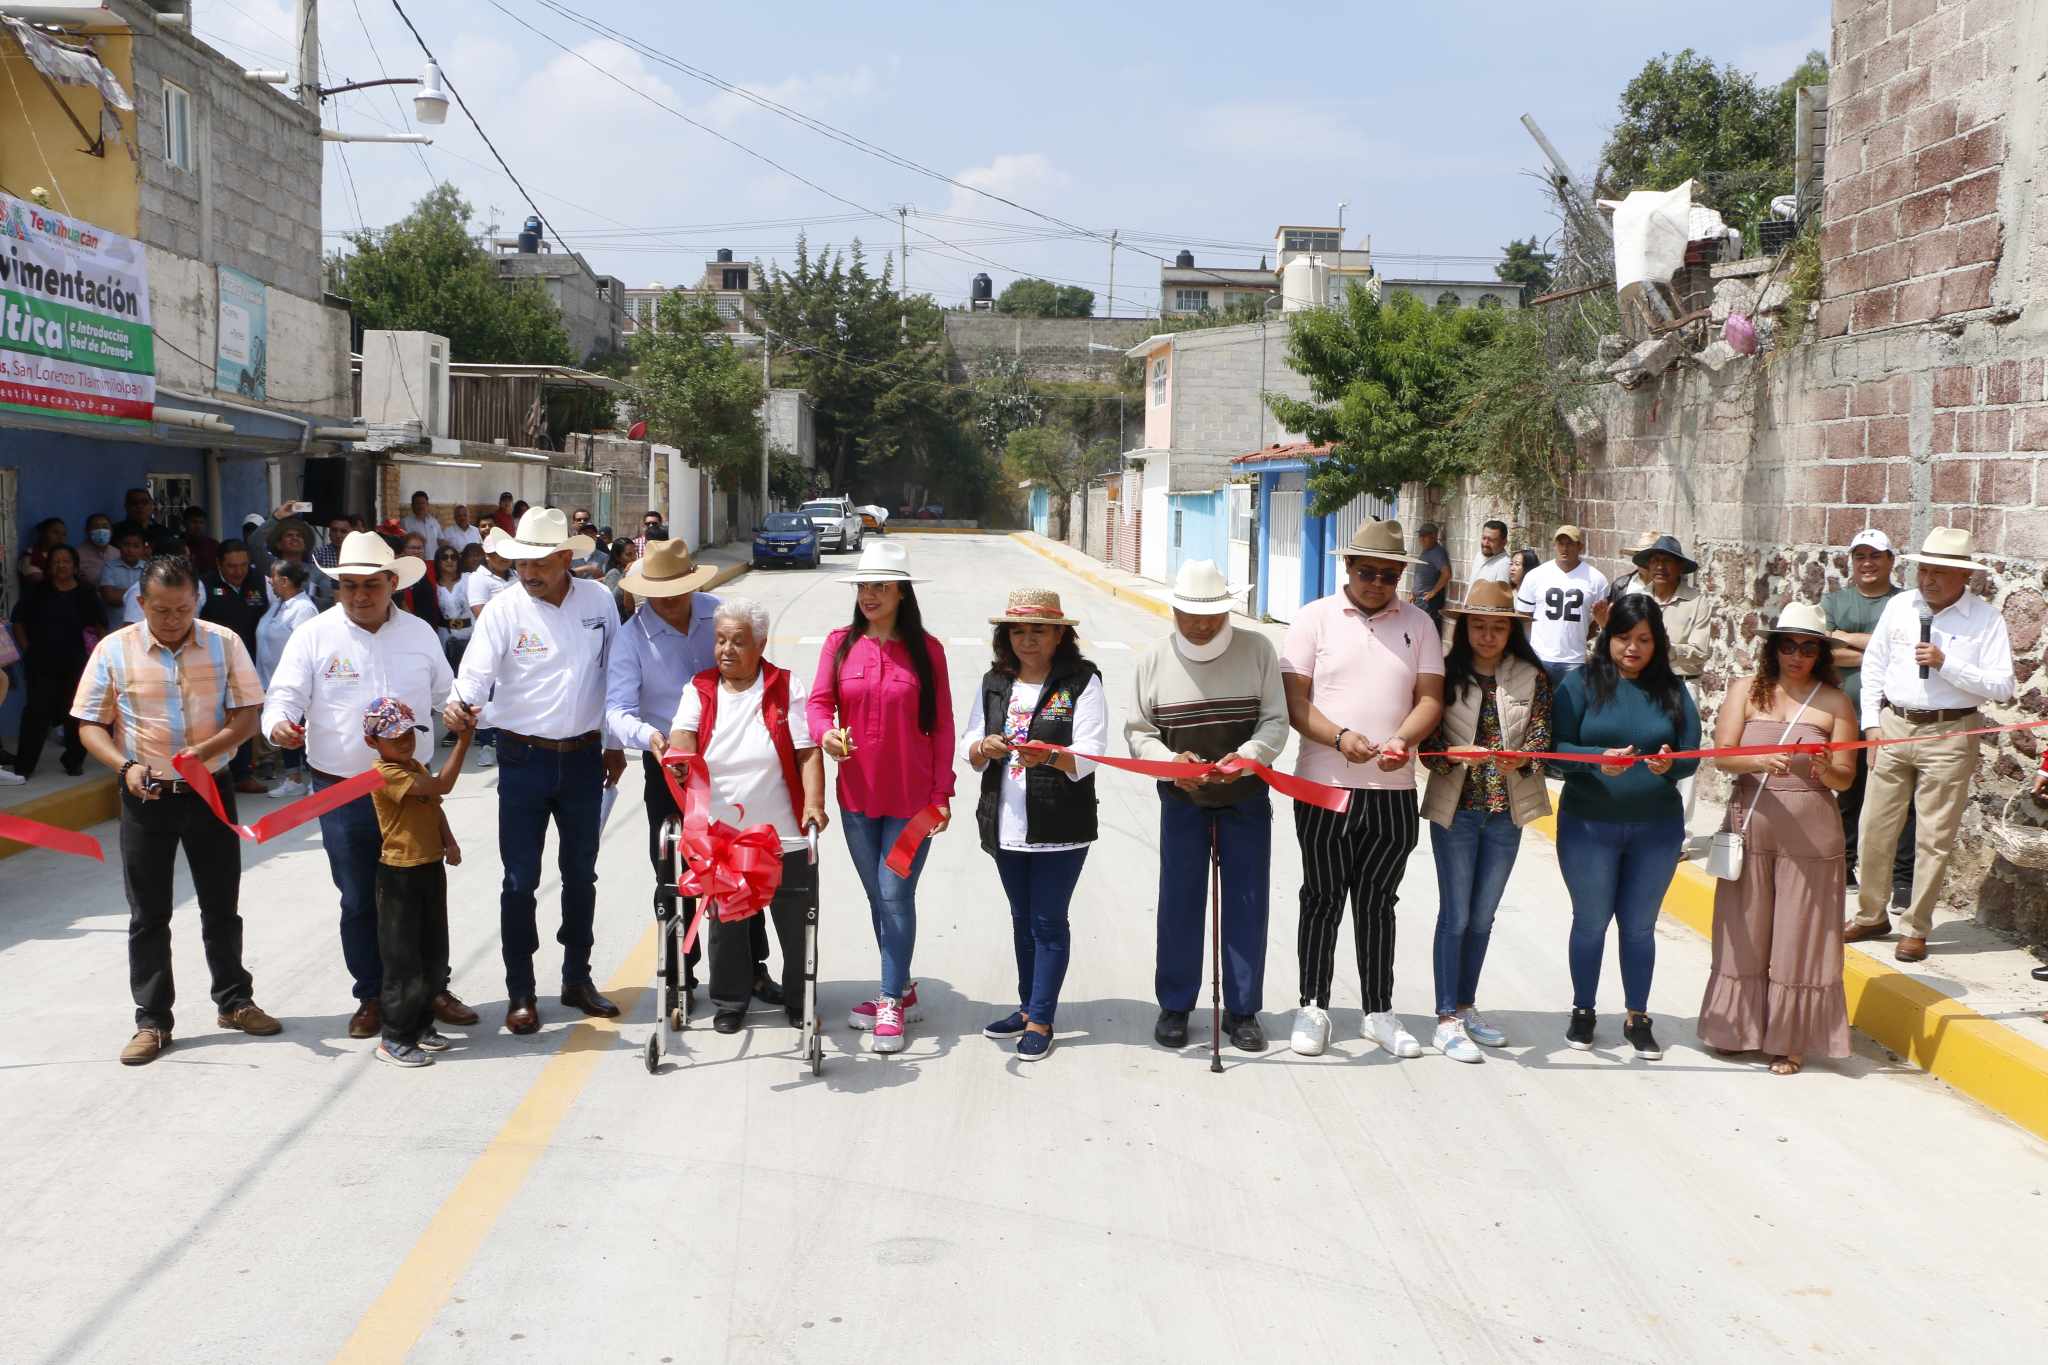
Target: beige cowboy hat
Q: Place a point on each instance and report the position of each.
(1488, 598)
(1378, 540)
(666, 570)
(367, 552)
(1800, 618)
(543, 531)
(1947, 547)
(882, 561)
(1033, 607)
(1200, 589)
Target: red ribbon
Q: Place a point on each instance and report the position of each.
(903, 853)
(1745, 750)
(1319, 794)
(36, 834)
(285, 817)
(738, 871)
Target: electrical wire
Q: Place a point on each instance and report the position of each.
(378, 58)
(43, 156)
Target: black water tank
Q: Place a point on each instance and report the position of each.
(983, 289)
(1184, 261)
(725, 255)
(529, 236)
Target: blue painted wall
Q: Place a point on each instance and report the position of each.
(1204, 529)
(1041, 511)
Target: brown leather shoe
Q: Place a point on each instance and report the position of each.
(1852, 932)
(249, 786)
(368, 1020)
(449, 1010)
(583, 996)
(523, 1017)
(145, 1047)
(251, 1019)
(1911, 949)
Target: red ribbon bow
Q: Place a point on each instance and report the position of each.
(739, 871)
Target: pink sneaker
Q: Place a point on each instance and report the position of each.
(889, 1035)
(861, 1018)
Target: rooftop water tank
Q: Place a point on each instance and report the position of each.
(1304, 283)
(725, 255)
(1184, 261)
(529, 236)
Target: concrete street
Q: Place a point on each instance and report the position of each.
(289, 1199)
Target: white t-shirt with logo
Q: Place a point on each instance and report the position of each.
(747, 785)
(1562, 604)
(541, 667)
(332, 668)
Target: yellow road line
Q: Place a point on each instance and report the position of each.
(429, 1274)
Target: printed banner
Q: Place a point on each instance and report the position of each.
(75, 333)
(241, 364)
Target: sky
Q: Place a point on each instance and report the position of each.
(1206, 132)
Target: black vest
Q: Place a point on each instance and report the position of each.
(1057, 810)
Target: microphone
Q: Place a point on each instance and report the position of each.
(1926, 631)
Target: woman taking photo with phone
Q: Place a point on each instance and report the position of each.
(882, 709)
(1776, 984)
(1620, 824)
(1496, 696)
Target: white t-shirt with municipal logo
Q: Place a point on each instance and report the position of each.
(747, 785)
(1562, 604)
(542, 667)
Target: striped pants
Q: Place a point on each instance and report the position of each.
(1361, 855)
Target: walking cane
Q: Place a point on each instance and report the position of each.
(1215, 953)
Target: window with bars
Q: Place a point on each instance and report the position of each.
(735, 279)
(1241, 512)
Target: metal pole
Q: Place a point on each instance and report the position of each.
(764, 422)
(1110, 311)
(309, 54)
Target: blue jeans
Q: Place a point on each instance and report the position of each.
(353, 841)
(536, 786)
(1244, 844)
(892, 900)
(1559, 672)
(1473, 859)
(1040, 887)
(1616, 871)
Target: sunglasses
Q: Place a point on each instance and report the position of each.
(1805, 649)
(1387, 576)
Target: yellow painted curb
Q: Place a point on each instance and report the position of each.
(1980, 1057)
(910, 528)
(80, 806)
(1029, 540)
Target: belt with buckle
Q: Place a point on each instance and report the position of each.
(1921, 716)
(586, 740)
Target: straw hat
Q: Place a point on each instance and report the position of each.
(364, 552)
(1947, 547)
(1488, 598)
(1665, 545)
(666, 570)
(882, 561)
(1200, 589)
(277, 533)
(1378, 540)
(543, 531)
(1033, 607)
(1800, 618)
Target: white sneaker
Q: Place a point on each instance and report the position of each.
(12, 779)
(1385, 1029)
(1451, 1041)
(1478, 1030)
(1311, 1031)
(291, 789)
(487, 757)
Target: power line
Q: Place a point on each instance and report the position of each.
(392, 90)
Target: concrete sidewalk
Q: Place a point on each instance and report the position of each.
(1994, 1048)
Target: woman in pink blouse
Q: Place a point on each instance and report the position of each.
(883, 710)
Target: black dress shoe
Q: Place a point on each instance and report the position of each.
(2041, 973)
(523, 1016)
(583, 996)
(729, 1021)
(1247, 1034)
(1172, 1029)
(765, 989)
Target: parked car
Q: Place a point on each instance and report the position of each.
(786, 538)
(838, 524)
(874, 521)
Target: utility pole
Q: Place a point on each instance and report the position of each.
(766, 347)
(903, 273)
(1110, 308)
(309, 54)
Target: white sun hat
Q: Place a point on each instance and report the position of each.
(364, 552)
(1947, 547)
(543, 531)
(882, 561)
(1199, 589)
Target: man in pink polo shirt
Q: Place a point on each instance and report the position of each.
(1364, 673)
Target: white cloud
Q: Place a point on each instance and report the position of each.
(1028, 177)
(1276, 131)
(815, 95)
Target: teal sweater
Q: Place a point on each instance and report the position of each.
(1580, 726)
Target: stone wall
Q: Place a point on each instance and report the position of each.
(1051, 348)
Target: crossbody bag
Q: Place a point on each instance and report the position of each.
(1725, 850)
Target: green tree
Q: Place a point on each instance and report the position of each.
(1238, 310)
(698, 393)
(1386, 383)
(1003, 399)
(1052, 457)
(1684, 118)
(424, 273)
(1034, 298)
(1527, 264)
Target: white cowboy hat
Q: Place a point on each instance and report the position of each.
(1199, 589)
(666, 570)
(1801, 618)
(367, 552)
(882, 561)
(544, 531)
(495, 541)
(1947, 547)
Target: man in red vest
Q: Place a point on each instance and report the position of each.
(746, 717)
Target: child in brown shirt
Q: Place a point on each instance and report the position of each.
(412, 883)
